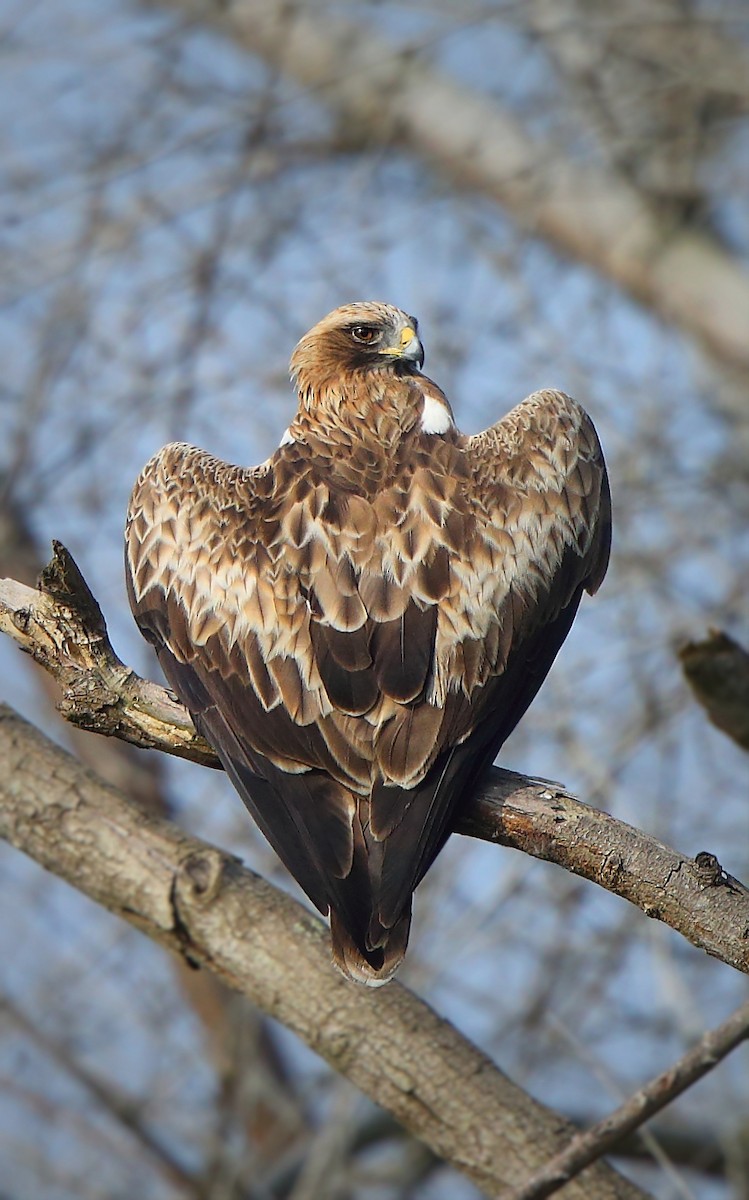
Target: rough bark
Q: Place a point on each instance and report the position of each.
(385, 95)
(203, 904)
(62, 626)
(138, 775)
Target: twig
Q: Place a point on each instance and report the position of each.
(61, 625)
(607, 1134)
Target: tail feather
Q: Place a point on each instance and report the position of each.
(372, 967)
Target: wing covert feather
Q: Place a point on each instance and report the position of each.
(540, 476)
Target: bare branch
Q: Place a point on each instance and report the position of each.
(694, 1145)
(696, 897)
(717, 670)
(139, 775)
(63, 628)
(606, 1135)
(387, 96)
(202, 904)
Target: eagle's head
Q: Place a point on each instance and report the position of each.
(356, 338)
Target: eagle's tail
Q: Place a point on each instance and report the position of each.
(371, 967)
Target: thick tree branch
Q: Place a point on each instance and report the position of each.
(606, 1135)
(63, 628)
(696, 897)
(383, 94)
(203, 904)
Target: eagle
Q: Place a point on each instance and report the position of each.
(358, 624)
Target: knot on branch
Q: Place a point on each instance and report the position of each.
(202, 873)
(91, 703)
(196, 883)
(709, 870)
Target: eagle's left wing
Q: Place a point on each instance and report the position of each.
(225, 617)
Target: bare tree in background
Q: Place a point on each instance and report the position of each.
(558, 191)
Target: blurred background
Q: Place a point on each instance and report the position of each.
(559, 191)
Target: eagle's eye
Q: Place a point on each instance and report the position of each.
(367, 334)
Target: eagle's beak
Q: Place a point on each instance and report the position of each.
(407, 346)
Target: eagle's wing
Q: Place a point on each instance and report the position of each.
(543, 537)
(544, 517)
(535, 534)
(247, 585)
(356, 664)
(212, 590)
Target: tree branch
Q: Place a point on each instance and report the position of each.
(201, 903)
(606, 1135)
(61, 625)
(386, 96)
(717, 670)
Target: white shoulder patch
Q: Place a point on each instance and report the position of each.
(287, 439)
(436, 417)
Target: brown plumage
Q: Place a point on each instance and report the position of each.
(359, 623)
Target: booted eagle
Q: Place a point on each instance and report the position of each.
(360, 622)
